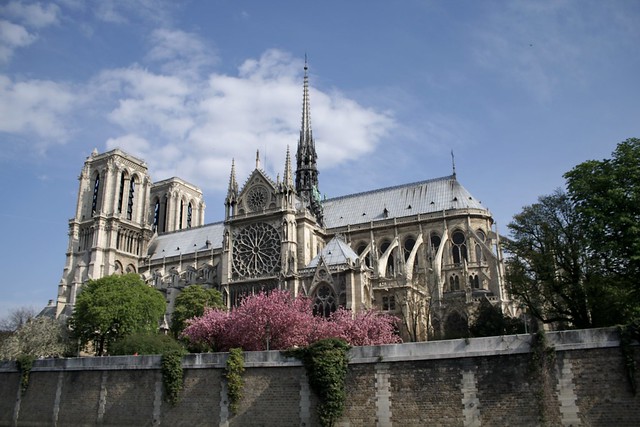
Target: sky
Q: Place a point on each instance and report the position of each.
(519, 91)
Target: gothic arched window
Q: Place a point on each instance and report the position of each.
(96, 190)
(325, 301)
(156, 215)
(121, 192)
(435, 242)
(459, 250)
(409, 243)
(181, 215)
(132, 189)
(189, 215)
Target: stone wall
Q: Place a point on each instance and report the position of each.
(483, 381)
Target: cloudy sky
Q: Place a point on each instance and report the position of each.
(520, 91)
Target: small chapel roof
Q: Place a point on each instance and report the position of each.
(423, 197)
(337, 252)
(187, 241)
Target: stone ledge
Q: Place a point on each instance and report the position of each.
(434, 350)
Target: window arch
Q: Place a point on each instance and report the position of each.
(391, 261)
(459, 249)
(409, 243)
(156, 215)
(454, 282)
(181, 215)
(325, 301)
(132, 189)
(474, 281)
(123, 176)
(435, 242)
(362, 246)
(189, 214)
(96, 191)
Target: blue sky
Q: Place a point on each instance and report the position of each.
(520, 91)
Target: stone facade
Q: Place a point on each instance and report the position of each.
(425, 251)
(477, 382)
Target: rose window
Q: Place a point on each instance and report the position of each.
(256, 251)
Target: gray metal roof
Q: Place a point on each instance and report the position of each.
(435, 195)
(336, 252)
(187, 241)
(422, 197)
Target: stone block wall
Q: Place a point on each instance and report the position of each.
(476, 382)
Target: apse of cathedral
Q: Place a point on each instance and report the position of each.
(425, 252)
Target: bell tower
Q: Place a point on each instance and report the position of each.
(109, 233)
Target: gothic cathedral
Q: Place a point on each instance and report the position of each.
(425, 252)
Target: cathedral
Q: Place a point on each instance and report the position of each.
(424, 252)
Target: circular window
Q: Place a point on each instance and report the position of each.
(458, 237)
(257, 198)
(256, 250)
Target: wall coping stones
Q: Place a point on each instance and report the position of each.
(445, 349)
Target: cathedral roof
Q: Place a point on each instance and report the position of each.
(336, 252)
(424, 197)
(187, 241)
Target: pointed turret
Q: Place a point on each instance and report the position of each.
(232, 191)
(288, 176)
(307, 170)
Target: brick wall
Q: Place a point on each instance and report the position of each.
(485, 381)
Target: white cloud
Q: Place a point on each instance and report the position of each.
(34, 15)
(179, 52)
(13, 36)
(36, 108)
(192, 128)
(16, 35)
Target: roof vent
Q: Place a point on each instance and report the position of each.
(409, 207)
(455, 199)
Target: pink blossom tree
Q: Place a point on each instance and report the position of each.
(279, 321)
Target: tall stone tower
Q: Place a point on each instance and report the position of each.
(119, 211)
(110, 232)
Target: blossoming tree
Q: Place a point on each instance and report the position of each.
(279, 321)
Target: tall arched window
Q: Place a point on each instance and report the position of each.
(409, 243)
(132, 189)
(361, 248)
(459, 250)
(96, 191)
(325, 302)
(156, 215)
(189, 214)
(181, 215)
(121, 192)
(435, 242)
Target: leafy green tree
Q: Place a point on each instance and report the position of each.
(547, 269)
(38, 337)
(191, 303)
(113, 307)
(490, 321)
(606, 194)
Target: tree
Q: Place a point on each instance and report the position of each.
(546, 267)
(490, 321)
(192, 302)
(606, 195)
(16, 318)
(279, 321)
(39, 337)
(113, 307)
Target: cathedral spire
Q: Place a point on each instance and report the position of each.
(287, 177)
(257, 159)
(233, 184)
(306, 167)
